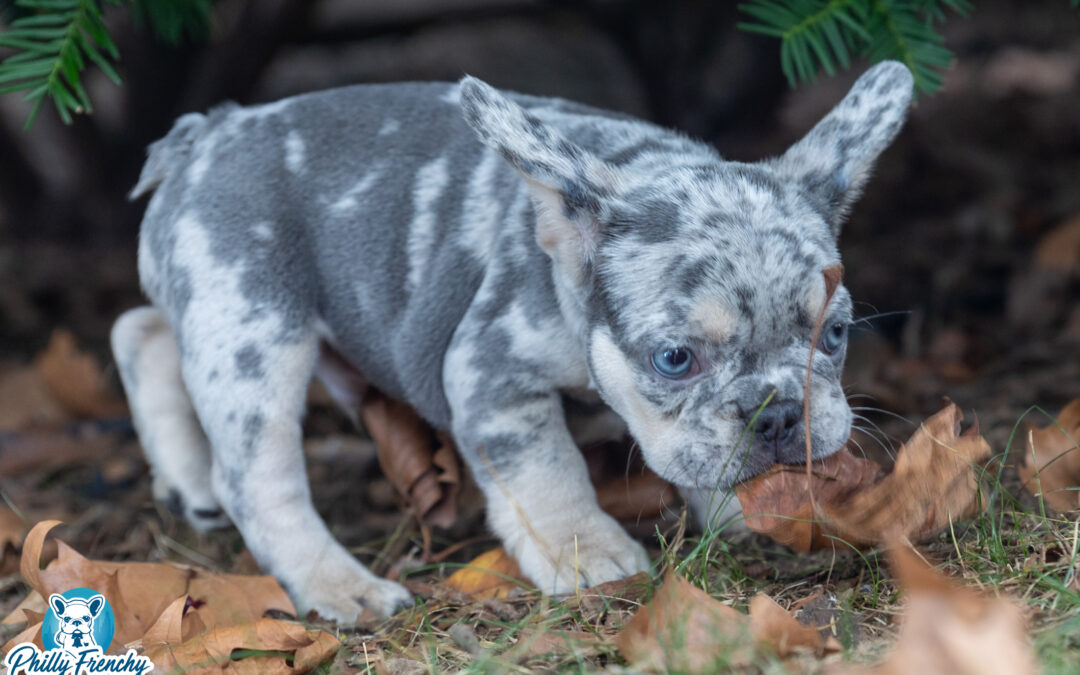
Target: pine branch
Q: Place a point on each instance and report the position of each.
(818, 35)
(54, 42)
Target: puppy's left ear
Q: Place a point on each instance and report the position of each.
(568, 185)
(834, 160)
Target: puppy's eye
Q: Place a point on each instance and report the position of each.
(834, 338)
(673, 362)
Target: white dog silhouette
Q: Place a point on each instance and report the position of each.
(76, 615)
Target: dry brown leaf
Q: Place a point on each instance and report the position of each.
(76, 379)
(32, 632)
(182, 616)
(684, 629)
(640, 496)
(775, 627)
(534, 643)
(932, 484)
(25, 400)
(167, 628)
(33, 602)
(428, 478)
(778, 503)
(12, 531)
(214, 649)
(40, 448)
(1059, 249)
(489, 575)
(140, 593)
(1052, 460)
(947, 629)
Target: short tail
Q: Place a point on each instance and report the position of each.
(169, 153)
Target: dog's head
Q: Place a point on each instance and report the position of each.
(76, 615)
(702, 280)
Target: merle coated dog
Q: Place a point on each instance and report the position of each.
(481, 255)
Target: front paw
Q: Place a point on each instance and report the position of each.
(343, 589)
(559, 562)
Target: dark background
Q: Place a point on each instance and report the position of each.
(967, 239)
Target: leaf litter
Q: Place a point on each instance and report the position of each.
(503, 615)
(181, 617)
(1051, 464)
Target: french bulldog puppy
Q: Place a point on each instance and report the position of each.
(479, 255)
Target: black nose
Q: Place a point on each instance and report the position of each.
(777, 422)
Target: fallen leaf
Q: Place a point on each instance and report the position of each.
(48, 448)
(932, 484)
(32, 632)
(76, 379)
(641, 496)
(214, 649)
(532, 643)
(25, 400)
(489, 575)
(948, 629)
(427, 477)
(621, 595)
(12, 530)
(776, 628)
(778, 503)
(1052, 460)
(684, 629)
(1059, 249)
(33, 602)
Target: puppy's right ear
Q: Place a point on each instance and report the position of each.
(569, 186)
(58, 603)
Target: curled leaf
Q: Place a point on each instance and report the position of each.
(426, 476)
(1051, 465)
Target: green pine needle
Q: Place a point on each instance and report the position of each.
(818, 35)
(53, 42)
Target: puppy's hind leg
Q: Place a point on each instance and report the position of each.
(172, 438)
(249, 388)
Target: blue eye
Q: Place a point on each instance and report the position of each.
(673, 362)
(834, 338)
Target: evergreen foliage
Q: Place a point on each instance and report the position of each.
(823, 34)
(54, 40)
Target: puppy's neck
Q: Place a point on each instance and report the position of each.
(573, 302)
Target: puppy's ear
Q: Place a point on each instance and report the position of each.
(58, 603)
(95, 603)
(568, 185)
(834, 160)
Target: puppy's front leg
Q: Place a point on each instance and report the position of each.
(539, 498)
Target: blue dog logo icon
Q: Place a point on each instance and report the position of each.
(76, 631)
